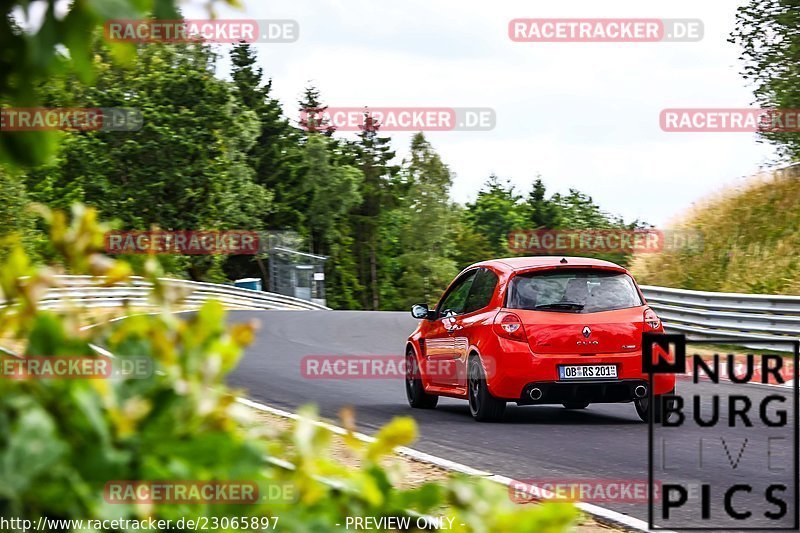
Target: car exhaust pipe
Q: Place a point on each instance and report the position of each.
(640, 391)
(535, 394)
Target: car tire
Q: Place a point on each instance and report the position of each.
(575, 405)
(482, 405)
(415, 391)
(643, 408)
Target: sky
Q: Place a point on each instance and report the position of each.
(579, 115)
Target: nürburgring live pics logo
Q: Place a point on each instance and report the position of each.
(724, 446)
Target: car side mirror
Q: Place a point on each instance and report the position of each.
(420, 311)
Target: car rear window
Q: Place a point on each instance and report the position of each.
(573, 291)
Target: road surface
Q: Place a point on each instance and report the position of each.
(543, 443)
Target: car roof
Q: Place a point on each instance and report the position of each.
(524, 263)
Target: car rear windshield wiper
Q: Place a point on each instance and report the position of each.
(567, 306)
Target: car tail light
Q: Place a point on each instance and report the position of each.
(509, 325)
(651, 319)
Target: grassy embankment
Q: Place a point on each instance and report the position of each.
(750, 241)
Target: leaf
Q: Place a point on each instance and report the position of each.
(399, 432)
(166, 10)
(33, 448)
(90, 407)
(77, 24)
(115, 9)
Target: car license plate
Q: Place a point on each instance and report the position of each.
(587, 372)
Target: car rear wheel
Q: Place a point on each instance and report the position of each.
(415, 392)
(482, 405)
(575, 405)
(643, 408)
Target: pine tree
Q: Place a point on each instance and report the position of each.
(496, 211)
(542, 213)
(312, 113)
(373, 155)
(276, 157)
(334, 192)
(427, 234)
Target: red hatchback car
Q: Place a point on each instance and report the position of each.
(534, 330)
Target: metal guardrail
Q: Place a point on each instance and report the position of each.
(86, 291)
(701, 315)
(725, 315)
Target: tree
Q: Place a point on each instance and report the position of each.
(276, 157)
(426, 232)
(470, 246)
(312, 113)
(249, 79)
(496, 212)
(541, 212)
(769, 33)
(15, 217)
(62, 44)
(185, 169)
(334, 192)
(373, 155)
(577, 210)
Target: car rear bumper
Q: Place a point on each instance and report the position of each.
(510, 374)
(600, 391)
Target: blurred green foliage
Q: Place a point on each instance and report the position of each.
(38, 41)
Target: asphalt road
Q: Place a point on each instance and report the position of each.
(543, 443)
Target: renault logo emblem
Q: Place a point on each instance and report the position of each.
(586, 331)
